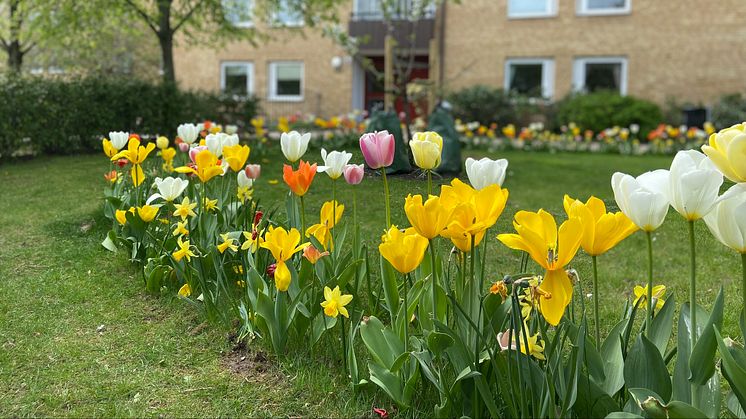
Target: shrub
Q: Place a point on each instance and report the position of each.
(729, 110)
(63, 116)
(601, 110)
(488, 104)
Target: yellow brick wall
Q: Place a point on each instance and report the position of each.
(693, 50)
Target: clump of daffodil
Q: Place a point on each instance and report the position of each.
(334, 302)
(184, 250)
(641, 293)
(283, 245)
(206, 166)
(552, 248)
(331, 214)
(228, 243)
(136, 154)
(185, 209)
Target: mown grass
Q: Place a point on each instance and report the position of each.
(154, 357)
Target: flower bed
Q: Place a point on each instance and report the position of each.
(429, 320)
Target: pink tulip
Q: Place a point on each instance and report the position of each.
(378, 149)
(354, 173)
(253, 171)
(194, 151)
(184, 147)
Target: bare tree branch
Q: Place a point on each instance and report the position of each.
(149, 20)
(28, 48)
(186, 17)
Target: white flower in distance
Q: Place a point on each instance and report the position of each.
(485, 172)
(243, 180)
(727, 221)
(294, 145)
(119, 139)
(188, 132)
(231, 129)
(639, 198)
(691, 186)
(334, 163)
(169, 188)
(215, 143)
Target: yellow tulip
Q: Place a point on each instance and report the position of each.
(551, 248)
(207, 166)
(428, 219)
(727, 150)
(236, 156)
(136, 154)
(109, 148)
(334, 302)
(282, 276)
(403, 250)
(426, 149)
(473, 211)
(283, 245)
(161, 142)
(121, 216)
(331, 214)
(147, 213)
(601, 230)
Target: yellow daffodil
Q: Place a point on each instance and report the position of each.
(244, 193)
(601, 230)
(253, 240)
(147, 213)
(335, 302)
(641, 293)
(185, 209)
(210, 204)
(109, 148)
(181, 229)
(551, 248)
(509, 339)
(184, 250)
(403, 250)
(228, 243)
(283, 245)
(136, 154)
(207, 166)
(185, 291)
(236, 156)
(499, 288)
(428, 219)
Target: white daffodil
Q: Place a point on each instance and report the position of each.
(334, 163)
(485, 172)
(294, 145)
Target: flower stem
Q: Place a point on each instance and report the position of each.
(649, 317)
(743, 284)
(429, 183)
(386, 197)
(693, 305)
(302, 216)
(406, 314)
(595, 301)
(344, 344)
(435, 282)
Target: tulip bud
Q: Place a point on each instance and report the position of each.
(271, 270)
(161, 142)
(426, 149)
(378, 149)
(253, 171)
(183, 147)
(354, 173)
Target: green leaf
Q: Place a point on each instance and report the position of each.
(733, 371)
(388, 382)
(321, 323)
(702, 360)
(660, 331)
(592, 401)
(652, 405)
(613, 358)
(390, 289)
(681, 385)
(733, 406)
(438, 342)
(644, 368)
(623, 415)
(383, 345)
(109, 241)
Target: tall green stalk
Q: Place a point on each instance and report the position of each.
(693, 305)
(302, 217)
(429, 183)
(435, 281)
(595, 301)
(386, 197)
(649, 317)
(406, 314)
(743, 284)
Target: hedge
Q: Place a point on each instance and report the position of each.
(71, 115)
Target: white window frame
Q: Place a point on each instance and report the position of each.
(547, 74)
(245, 23)
(249, 70)
(551, 12)
(582, 9)
(578, 71)
(277, 23)
(272, 88)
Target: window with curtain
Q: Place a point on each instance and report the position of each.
(237, 78)
(286, 80)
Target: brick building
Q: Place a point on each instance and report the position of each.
(690, 50)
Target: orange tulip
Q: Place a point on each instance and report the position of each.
(299, 180)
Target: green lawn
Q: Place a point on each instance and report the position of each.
(153, 355)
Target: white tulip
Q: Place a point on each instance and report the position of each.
(485, 172)
(243, 180)
(334, 163)
(119, 139)
(230, 139)
(188, 132)
(294, 145)
(169, 188)
(639, 198)
(231, 129)
(727, 221)
(215, 143)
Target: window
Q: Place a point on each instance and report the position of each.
(286, 81)
(237, 78)
(238, 12)
(397, 9)
(518, 9)
(603, 7)
(600, 73)
(285, 15)
(530, 76)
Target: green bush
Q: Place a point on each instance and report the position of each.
(488, 104)
(601, 110)
(729, 110)
(63, 116)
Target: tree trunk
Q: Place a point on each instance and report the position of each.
(15, 56)
(166, 40)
